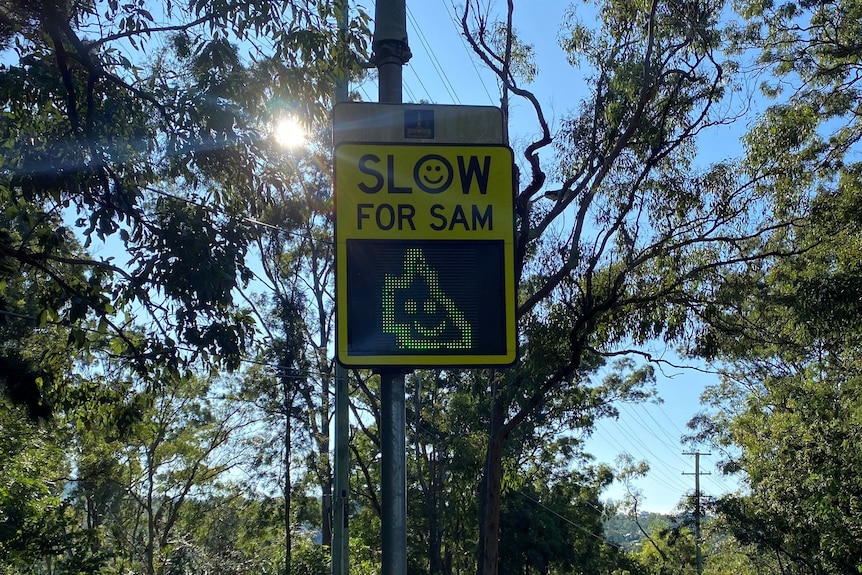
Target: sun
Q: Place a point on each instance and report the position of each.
(289, 133)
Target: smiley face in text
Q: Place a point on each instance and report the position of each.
(433, 173)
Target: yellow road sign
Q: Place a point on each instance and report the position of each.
(424, 255)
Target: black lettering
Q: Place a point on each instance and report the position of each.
(480, 219)
(390, 214)
(435, 213)
(361, 215)
(366, 169)
(406, 213)
(458, 218)
(472, 170)
(390, 168)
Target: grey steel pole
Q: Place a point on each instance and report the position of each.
(390, 48)
(394, 481)
(340, 563)
(341, 11)
(340, 533)
(390, 53)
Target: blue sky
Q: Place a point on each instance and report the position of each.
(444, 71)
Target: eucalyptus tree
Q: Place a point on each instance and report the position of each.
(786, 411)
(444, 450)
(140, 130)
(297, 262)
(142, 127)
(551, 487)
(180, 451)
(37, 530)
(672, 551)
(34, 353)
(273, 387)
(551, 522)
(648, 230)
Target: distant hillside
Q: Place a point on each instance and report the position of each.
(623, 531)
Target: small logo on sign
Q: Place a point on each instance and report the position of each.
(419, 124)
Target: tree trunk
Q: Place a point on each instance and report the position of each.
(326, 525)
(434, 510)
(490, 491)
(433, 487)
(489, 531)
(325, 467)
(288, 543)
(150, 547)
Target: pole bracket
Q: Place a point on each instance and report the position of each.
(390, 52)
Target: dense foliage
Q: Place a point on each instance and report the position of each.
(141, 129)
(787, 411)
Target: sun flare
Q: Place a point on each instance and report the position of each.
(289, 133)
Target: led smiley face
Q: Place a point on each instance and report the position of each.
(427, 319)
(417, 311)
(433, 173)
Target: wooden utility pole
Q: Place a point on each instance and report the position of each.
(697, 510)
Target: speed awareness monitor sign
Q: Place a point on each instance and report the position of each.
(424, 255)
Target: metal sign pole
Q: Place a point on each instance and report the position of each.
(394, 481)
(341, 480)
(424, 249)
(390, 53)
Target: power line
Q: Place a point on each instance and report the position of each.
(421, 83)
(672, 422)
(362, 89)
(569, 521)
(660, 470)
(217, 212)
(243, 359)
(673, 443)
(435, 63)
(469, 52)
(410, 95)
(668, 479)
(672, 447)
(716, 480)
